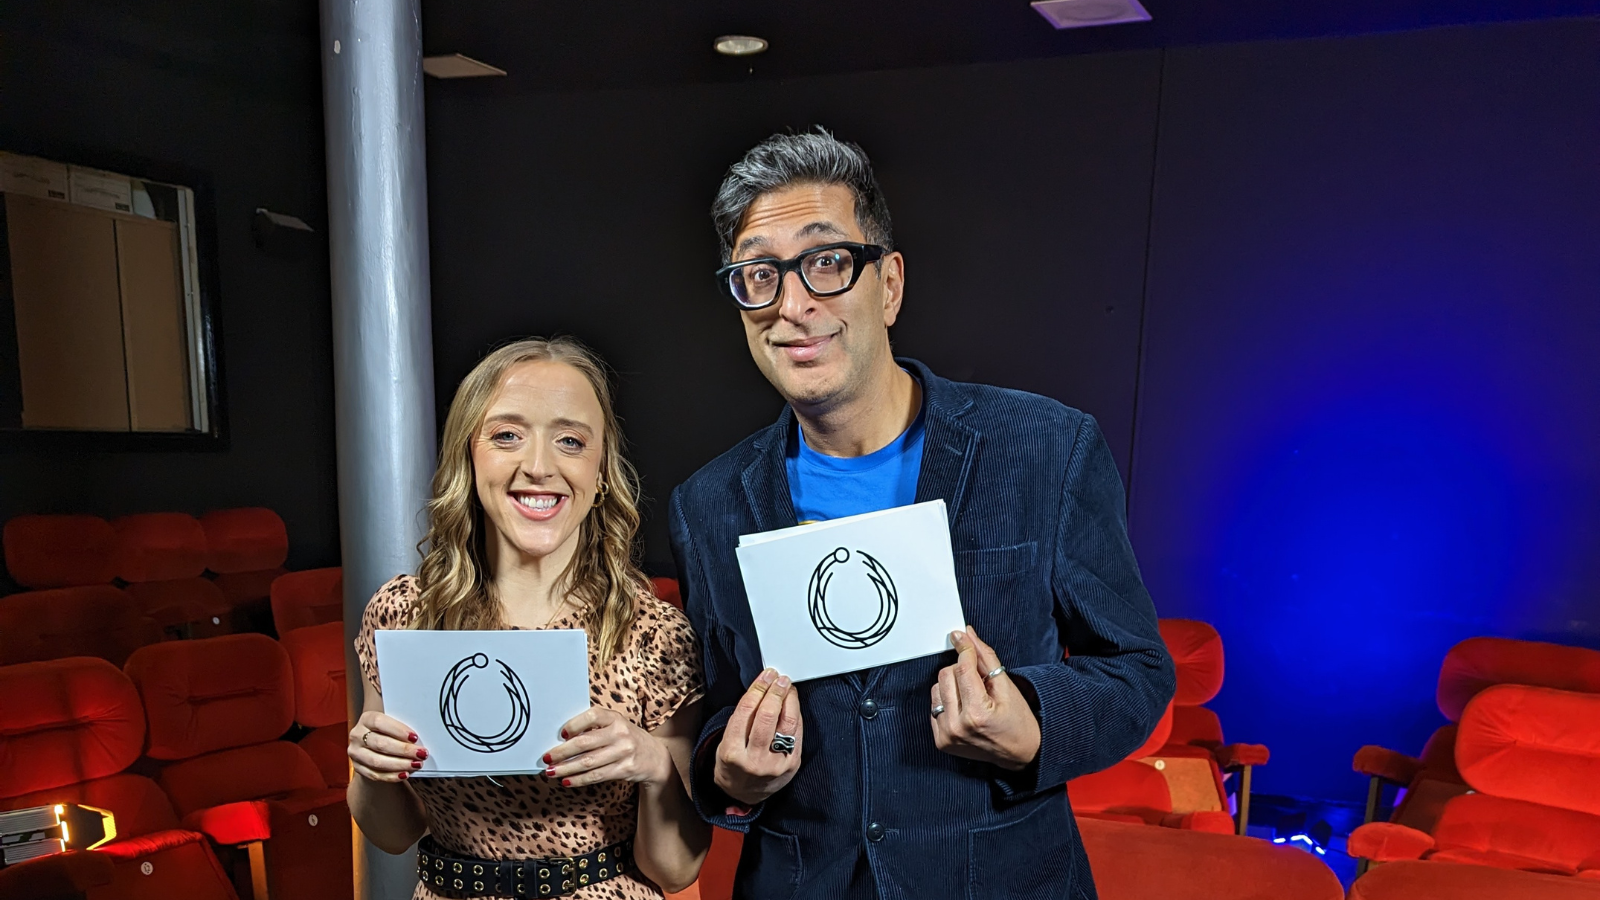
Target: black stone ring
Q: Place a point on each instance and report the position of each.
(782, 743)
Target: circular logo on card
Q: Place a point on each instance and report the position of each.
(817, 600)
(450, 696)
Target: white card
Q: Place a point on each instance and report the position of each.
(484, 702)
(853, 593)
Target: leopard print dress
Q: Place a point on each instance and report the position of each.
(656, 673)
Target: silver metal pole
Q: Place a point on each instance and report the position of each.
(382, 331)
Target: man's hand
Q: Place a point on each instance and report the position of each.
(986, 719)
(747, 768)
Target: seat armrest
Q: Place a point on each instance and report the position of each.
(1387, 842)
(61, 875)
(1389, 765)
(1237, 756)
(243, 822)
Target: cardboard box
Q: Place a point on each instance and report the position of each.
(33, 177)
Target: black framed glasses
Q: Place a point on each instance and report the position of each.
(828, 270)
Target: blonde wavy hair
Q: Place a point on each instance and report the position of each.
(603, 577)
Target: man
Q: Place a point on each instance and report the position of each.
(940, 776)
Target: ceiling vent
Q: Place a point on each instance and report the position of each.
(455, 65)
(1083, 13)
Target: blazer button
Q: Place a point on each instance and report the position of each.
(868, 708)
(875, 832)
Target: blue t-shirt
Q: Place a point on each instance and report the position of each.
(831, 487)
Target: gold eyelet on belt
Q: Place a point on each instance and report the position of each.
(566, 870)
(477, 885)
(457, 884)
(583, 879)
(457, 867)
(602, 873)
(602, 857)
(583, 863)
(544, 888)
(566, 885)
(439, 864)
(438, 880)
(544, 873)
(477, 870)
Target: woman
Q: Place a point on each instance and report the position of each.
(532, 522)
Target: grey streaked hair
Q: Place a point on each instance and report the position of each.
(814, 157)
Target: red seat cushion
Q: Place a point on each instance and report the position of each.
(317, 656)
(264, 771)
(1477, 663)
(66, 721)
(1135, 863)
(1196, 726)
(138, 805)
(183, 601)
(159, 547)
(327, 748)
(1482, 828)
(1129, 787)
(97, 620)
(1196, 650)
(1454, 881)
(244, 540)
(57, 877)
(247, 587)
(1531, 743)
(310, 597)
(59, 551)
(206, 695)
(667, 589)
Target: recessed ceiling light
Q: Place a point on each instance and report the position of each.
(740, 45)
(455, 65)
(1082, 13)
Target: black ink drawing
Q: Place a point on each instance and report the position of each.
(450, 691)
(817, 596)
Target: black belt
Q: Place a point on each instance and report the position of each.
(558, 876)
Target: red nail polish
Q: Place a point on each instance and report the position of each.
(563, 734)
(422, 754)
(547, 759)
(412, 737)
(416, 764)
(549, 771)
(566, 782)
(404, 775)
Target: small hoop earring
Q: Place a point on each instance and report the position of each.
(600, 492)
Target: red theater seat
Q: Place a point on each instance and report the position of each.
(1197, 759)
(1136, 791)
(667, 589)
(246, 548)
(1431, 778)
(1531, 756)
(59, 551)
(69, 729)
(162, 556)
(98, 620)
(316, 654)
(216, 710)
(1134, 863)
(716, 873)
(311, 597)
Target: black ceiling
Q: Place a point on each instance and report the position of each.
(271, 46)
(567, 44)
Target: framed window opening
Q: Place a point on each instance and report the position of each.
(108, 304)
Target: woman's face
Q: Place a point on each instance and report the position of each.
(536, 461)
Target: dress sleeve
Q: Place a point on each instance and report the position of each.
(390, 608)
(669, 663)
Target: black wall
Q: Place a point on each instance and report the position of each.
(1020, 195)
(236, 95)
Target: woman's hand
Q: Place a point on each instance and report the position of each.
(980, 717)
(382, 749)
(602, 745)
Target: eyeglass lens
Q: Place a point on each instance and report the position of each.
(824, 272)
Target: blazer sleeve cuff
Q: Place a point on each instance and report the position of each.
(710, 801)
(1053, 703)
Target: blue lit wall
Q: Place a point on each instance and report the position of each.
(1369, 419)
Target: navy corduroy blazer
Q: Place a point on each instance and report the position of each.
(1044, 566)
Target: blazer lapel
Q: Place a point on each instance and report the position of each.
(766, 478)
(948, 447)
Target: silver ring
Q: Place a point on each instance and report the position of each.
(782, 743)
(938, 709)
(997, 671)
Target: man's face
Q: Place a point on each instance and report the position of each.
(817, 351)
